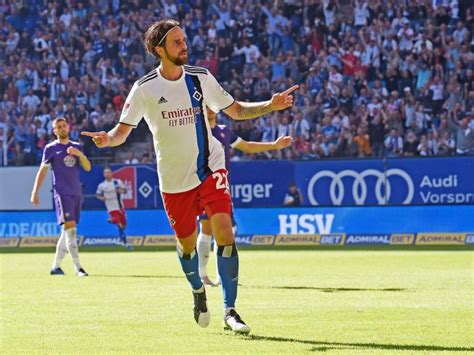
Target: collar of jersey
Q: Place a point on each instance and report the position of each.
(181, 78)
(58, 142)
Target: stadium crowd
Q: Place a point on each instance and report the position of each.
(377, 78)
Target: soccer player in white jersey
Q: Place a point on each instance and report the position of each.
(191, 166)
(110, 191)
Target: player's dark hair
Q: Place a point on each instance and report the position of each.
(155, 35)
(59, 119)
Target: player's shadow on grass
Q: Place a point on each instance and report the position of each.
(141, 276)
(339, 289)
(330, 289)
(329, 345)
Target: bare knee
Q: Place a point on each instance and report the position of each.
(222, 229)
(187, 244)
(225, 236)
(206, 227)
(69, 225)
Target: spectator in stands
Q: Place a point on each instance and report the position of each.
(276, 22)
(393, 144)
(131, 158)
(300, 126)
(446, 144)
(293, 197)
(410, 62)
(362, 141)
(423, 77)
(464, 131)
(31, 101)
(146, 159)
(411, 145)
(251, 53)
(423, 149)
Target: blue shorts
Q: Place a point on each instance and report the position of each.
(68, 208)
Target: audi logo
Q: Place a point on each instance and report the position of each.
(359, 186)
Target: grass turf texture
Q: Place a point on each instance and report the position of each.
(295, 301)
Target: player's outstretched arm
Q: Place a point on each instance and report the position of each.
(100, 197)
(38, 183)
(113, 138)
(247, 110)
(258, 147)
(122, 190)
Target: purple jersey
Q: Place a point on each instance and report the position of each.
(228, 140)
(65, 167)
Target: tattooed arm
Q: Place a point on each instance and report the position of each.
(247, 110)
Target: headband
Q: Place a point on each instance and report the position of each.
(166, 34)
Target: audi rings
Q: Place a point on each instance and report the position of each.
(359, 187)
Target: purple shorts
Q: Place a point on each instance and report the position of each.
(203, 216)
(68, 208)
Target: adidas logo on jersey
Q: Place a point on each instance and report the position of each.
(162, 100)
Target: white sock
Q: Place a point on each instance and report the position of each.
(203, 249)
(228, 309)
(61, 250)
(199, 290)
(71, 242)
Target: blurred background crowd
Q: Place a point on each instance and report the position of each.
(377, 78)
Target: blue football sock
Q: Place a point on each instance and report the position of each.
(190, 266)
(122, 235)
(228, 267)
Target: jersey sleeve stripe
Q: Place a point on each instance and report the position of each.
(150, 72)
(117, 194)
(145, 78)
(236, 142)
(148, 75)
(141, 82)
(128, 124)
(61, 212)
(225, 108)
(195, 70)
(193, 84)
(192, 67)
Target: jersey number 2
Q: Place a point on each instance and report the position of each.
(221, 182)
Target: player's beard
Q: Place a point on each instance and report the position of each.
(177, 60)
(62, 135)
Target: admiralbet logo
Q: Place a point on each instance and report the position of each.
(181, 117)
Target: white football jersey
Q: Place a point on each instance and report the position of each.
(113, 199)
(175, 111)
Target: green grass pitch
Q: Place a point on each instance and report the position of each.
(351, 302)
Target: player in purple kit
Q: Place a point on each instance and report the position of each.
(64, 157)
(228, 140)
